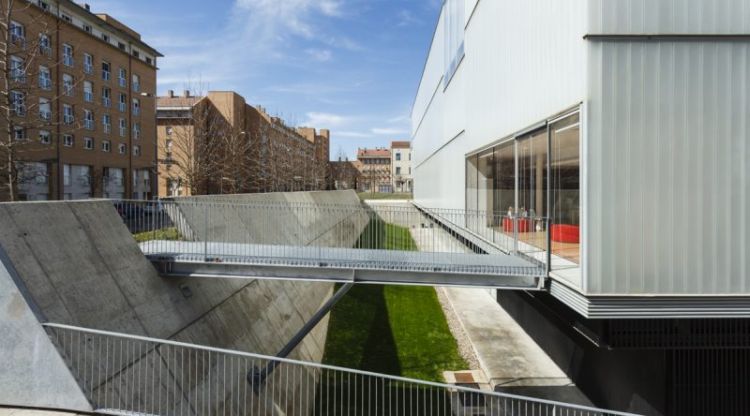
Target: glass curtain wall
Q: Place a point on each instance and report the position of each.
(532, 178)
(566, 189)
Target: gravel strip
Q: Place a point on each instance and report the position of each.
(464, 344)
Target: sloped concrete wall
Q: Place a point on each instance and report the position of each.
(32, 373)
(330, 218)
(82, 267)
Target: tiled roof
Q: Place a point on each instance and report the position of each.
(176, 101)
(373, 153)
(401, 145)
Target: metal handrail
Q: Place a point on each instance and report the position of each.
(457, 388)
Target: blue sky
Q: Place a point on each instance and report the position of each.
(348, 65)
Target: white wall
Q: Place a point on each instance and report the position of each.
(524, 62)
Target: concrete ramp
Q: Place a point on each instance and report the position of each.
(83, 268)
(32, 373)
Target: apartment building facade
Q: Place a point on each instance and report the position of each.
(83, 111)
(611, 137)
(403, 181)
(218, 143)
(346, 174)
(375, 170)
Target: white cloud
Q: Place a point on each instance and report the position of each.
(320, 55)
(407, 18)
(326, 120)
(389, 131)
(352, 134)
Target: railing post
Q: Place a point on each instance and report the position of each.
(205, 232)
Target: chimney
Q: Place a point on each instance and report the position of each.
(87, 7)
(170, 93)
(186, 93)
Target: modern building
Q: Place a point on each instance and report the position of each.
(612, 138)
(83, 112)
(401, 166)
(219, 144)
(375, 169)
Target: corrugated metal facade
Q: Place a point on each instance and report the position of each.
(666, 141)
(668, 151)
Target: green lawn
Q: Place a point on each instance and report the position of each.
(398, 330)
(170, 234)
(369, 195)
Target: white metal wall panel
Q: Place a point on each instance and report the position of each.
(669, 16)
(525, 61)
(668, 161)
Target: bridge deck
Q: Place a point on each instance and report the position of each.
(232, 260)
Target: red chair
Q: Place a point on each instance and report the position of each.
(565, 233)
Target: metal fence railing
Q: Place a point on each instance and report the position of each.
(392, 237)
(126, 374)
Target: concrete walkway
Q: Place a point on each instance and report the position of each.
(511, 360)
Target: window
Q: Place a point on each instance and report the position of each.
(398, 156)
(66, 175)
(18, 101)
(17, 69)
(149, 60)
(136, 150)
(107, 123)
(136, 54)
(45, 109)
(66, 18)
(169, 131)
(88, 119)
(45, 137)
(45, 44)
(122, 148)
(88, 91)
(88, 143)
(68, 114)
(43, 5)
(45, 78)
(136, 131)
(454, 37)
(565, 174)
(123, 103)
(136, 106)
(136, 83)
(19, 133)
(67, 55)
(123, 127)
(68, 85)
(398, 170)
(121, 45)
(88, 63)
(122, 77)
(106, 71)
(106, 97)
(105, 37)
(68, 142)
(106, 146)
(17, 33)
(87, 28)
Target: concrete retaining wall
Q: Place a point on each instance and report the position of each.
(82, 267)
(331, 218)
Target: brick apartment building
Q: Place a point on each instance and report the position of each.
(218, 143)
(346, 174)
(375, 170)
(82, 111)
(403, 181)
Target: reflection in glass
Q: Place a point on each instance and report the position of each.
(565, 177)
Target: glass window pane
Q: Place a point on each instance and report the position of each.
(566, 191)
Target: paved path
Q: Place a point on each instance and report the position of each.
(510, 359)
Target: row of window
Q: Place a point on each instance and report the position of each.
(18, 74)
(18, 37)
(45, 137)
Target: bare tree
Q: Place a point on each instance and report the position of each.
(27, 99)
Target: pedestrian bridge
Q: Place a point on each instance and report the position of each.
(397, 243)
